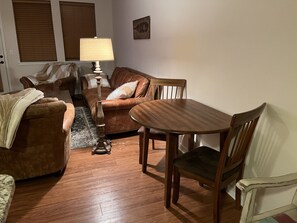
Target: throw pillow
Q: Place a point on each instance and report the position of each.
(92, 82)
(124, 91)
(104, 80)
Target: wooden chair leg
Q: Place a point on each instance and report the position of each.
(237, 198)
(216, 207)
(238, 193)
(190, 142)
(145, 149)
(176, 185)
(153, 144)
(140, 147)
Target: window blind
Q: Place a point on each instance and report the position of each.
(34, 28)
(78, 21)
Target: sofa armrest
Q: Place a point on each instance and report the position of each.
(122, 104)
(49, 106)
(68, 117)
(41, 110)
(26, 82)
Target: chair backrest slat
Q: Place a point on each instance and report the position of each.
(237, 143)
(162, 88)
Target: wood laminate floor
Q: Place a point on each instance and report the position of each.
(112, 188)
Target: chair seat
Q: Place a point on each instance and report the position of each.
(200, 161)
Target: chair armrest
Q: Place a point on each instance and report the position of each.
(267, 182)
(26, 82)
(121, 104)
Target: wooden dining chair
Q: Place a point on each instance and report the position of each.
(216, 169)
(160, 89)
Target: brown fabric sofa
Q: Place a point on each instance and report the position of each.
(116, 112)
(42, 143)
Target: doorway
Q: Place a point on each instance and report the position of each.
(4, 84)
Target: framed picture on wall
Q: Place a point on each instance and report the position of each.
(141, 28)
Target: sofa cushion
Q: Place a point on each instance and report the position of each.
(124, 91)
(121, 76)
(92, 82)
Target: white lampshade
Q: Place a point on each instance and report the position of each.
(96, 49)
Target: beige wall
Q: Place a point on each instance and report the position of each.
(16, 69)
(234, 54)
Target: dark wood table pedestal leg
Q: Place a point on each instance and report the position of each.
(171, 153)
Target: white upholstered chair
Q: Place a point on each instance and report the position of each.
(284, 214)
(7, 187)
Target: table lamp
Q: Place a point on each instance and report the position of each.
(98, 49)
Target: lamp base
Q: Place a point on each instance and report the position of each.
(103, 146)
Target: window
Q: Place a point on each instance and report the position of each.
(34, 28)
(78, 21)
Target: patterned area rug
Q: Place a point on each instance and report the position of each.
(83, 130)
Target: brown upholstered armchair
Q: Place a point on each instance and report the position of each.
(53, 76)
(42, 142)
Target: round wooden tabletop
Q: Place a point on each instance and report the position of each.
(180, 116)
